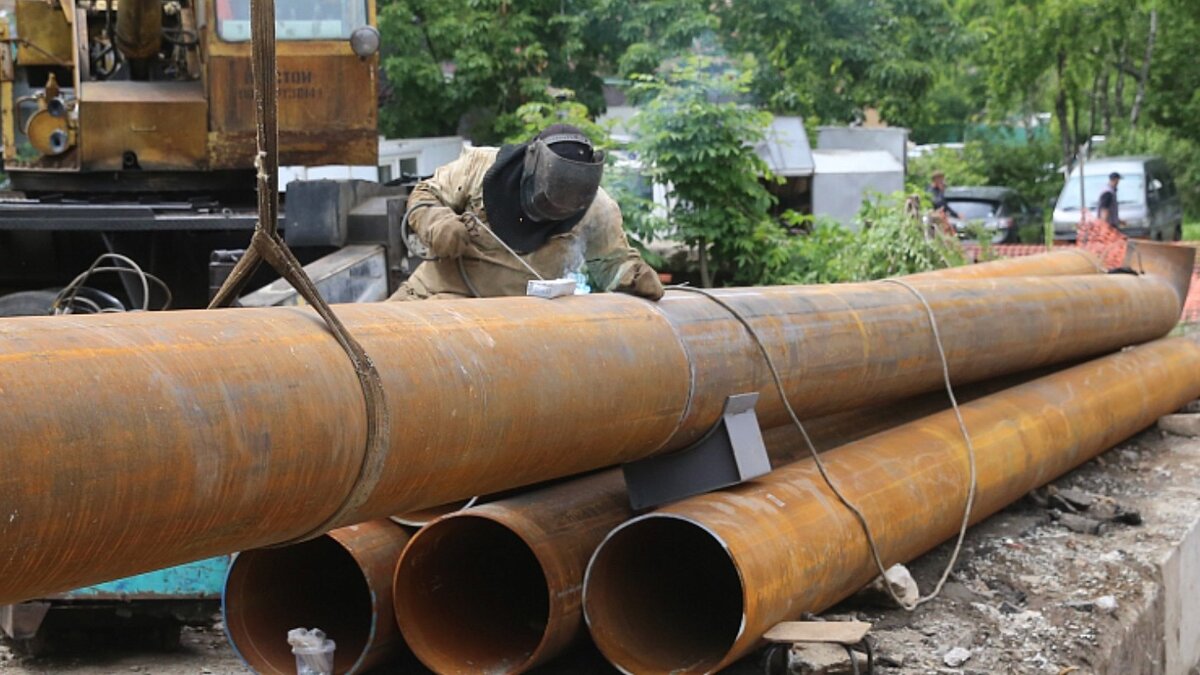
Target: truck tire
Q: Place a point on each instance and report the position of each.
(27, 303)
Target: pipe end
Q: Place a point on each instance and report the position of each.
(662, 594)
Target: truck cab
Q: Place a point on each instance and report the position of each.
(154, 95)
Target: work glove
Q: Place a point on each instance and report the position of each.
(637, 278)
(446, 233)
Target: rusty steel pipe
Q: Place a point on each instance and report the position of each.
(1063, 262)
(693, 586)
(1067, 262)
(340, 582)
(510, 572)
(139, 441)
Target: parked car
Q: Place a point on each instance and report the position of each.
(1148, 202)
(1001, 211)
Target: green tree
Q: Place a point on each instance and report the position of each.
(829, 59)
(696, 137)
(468, 65)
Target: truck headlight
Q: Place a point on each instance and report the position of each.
(365, 41)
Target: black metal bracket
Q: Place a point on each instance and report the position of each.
(731, 453)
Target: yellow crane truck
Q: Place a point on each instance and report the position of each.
(128, 127)
(128, 133)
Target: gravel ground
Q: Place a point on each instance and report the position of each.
(1029, 596)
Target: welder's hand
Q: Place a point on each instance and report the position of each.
(445, 232)
(638, 278)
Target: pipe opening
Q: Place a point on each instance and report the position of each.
(470, 596)
(315, 584)
(662, 594)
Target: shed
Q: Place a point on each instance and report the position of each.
(843, 179)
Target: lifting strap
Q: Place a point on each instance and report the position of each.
(267, 245)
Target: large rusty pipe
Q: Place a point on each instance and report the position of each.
(139, 28)
(139, 441)
(340, 582)
(509, 573)
(1065, 262)
(693, 586)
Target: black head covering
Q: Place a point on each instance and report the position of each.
(502, 190)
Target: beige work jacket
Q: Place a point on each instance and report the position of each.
(597, 242)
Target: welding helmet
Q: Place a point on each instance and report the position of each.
(561, 175)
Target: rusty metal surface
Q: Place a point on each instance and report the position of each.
(328, 112)
(1067, 262)
(695, 585)
(845, 346)
(464, 573)
(139, 28)
(45, 35)
(340, 583)
(164, 123)
(186, 435)
(508, 573)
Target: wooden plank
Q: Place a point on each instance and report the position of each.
(838, 632)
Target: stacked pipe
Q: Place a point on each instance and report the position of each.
(233, 429)
(509, 574)
(692, 587)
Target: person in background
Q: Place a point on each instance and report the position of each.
(1107, 210)
(937, 194)
(487, 222)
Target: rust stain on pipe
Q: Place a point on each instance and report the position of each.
(340, 582)
(693, 586)
(138, 441)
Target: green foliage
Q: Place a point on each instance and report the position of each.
(1181, 153)
(889, 241)
(827, 60)
(531, 118)
(634, 193)
(1191, 231)
(696, 138)
(960, 167)
(1030, 169)
(472, 63)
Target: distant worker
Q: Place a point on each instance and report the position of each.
(493, 216)
(1107, 210)
(942, 210)
(937, 194)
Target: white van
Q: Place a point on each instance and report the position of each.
(1148, 203)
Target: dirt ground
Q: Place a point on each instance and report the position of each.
(202, 651)
(1029, 595)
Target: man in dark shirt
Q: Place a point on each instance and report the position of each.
(1107, 210)
(937, 194)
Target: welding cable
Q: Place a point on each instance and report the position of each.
(816, 456)
(70, 294)
(971, 463)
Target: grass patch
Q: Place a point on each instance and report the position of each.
(1191, 231)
